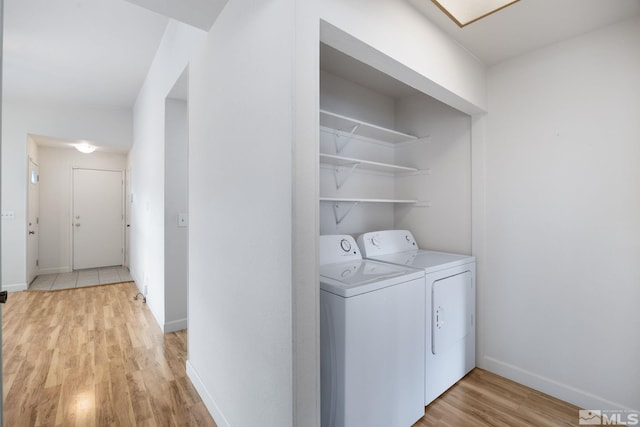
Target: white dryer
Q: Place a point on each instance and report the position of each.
(372, 339)
(450, 304)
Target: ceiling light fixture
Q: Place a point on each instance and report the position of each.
(464, 12)
(85, 147)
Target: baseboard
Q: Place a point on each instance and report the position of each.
(175, 325)
(53, 270)
(551, 387)
(15, 287)
(208, 401)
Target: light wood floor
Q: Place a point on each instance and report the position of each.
(484, 399)
(95, 357)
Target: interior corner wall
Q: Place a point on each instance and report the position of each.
(56, 168)
(561, 286)
(443, 154)
(147, 164)
(110, 127)
(240, 202)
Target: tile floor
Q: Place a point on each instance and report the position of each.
(81, 278)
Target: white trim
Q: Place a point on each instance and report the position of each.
(54, 270)
(175, 325)
(554, 388)
(214, 410)
(15, 287)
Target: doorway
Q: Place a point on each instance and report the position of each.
(33, 220)
(98, 218)
(176, 189)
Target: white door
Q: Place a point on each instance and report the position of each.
(127, 216)
(33, 220)
(98, 218)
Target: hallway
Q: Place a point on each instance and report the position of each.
(93, 357)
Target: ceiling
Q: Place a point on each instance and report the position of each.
(89, 52)
(98, 52)
(529, 24)
(198, 13)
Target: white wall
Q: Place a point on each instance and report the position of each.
(147, 165)
(240, 203)
(560, 291)
(444, 156)
(56, 166)
(348, 98)
(107, 127)
(176, 242)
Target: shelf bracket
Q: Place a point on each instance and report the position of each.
(336, 208)
(348, 172)
(348, 137)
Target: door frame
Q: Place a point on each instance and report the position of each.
(29, 279)
(71, 219)
(128, 200)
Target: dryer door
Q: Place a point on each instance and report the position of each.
(451, 310)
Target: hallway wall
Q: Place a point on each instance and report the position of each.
(147, 164)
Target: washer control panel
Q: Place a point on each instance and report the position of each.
(338, 248)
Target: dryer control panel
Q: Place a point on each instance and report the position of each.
(385, 242)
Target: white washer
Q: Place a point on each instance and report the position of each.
(372, 339)
(450, 304)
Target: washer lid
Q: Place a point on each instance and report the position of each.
(428, 260)
(359, 276)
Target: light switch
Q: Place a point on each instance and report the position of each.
(8, 215)
(183, 220)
